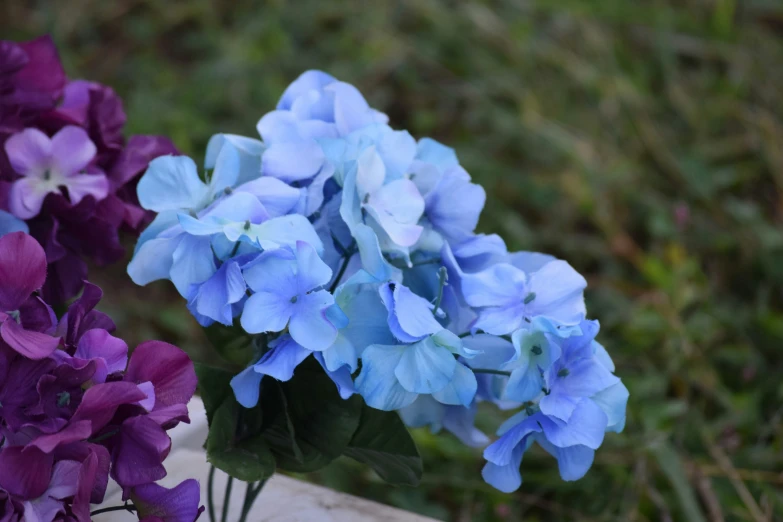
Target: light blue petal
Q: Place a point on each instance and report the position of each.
(312, 272)
(266, 312)
(172, 183)
(501, 285)
(586, 427)
(455, 204)
(494, 352)
(153, 260)
(501, 451)
(279, 232)
(292, 161)
(9, 223)
(424, 411)
(602, 356)
(559, 293)
(226, 170)
(366, 314)
(281, 361)
(370, 251)
(585, 378)
(559, 405)
(341, 377)
(312, 80)
(505, 478)
(193, 263)
(525, 384)
(613, 402)
(459, 421)
(309, 325)
(163, 221)
(273, 272)
(425, 367)
(573, 462)
(529, 262)
(246, 386)
(216, 295)
(410, 316)
(460, 390)
(249, 151)
(377, 382)
(340, 353)
(434, 152)
(499, 320)
(277, 197)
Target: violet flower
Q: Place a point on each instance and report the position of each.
(67, 175)
(74, 410)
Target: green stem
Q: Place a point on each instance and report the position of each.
(127, 507)
(250, 497)
(227, 499)
(103, 437)
(210, 498)
(443, 276)
(341, 272)
(493, 372)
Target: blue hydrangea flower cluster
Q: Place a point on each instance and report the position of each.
(337, 237)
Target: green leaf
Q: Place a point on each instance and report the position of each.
(214, 386)
(248, 459)
(232, 343)
(313, 424)
(672, 467)
(383, 443)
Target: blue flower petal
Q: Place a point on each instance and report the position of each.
(172, 183)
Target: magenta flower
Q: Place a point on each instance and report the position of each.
(50, 166)
(66, 169)
(74, 410)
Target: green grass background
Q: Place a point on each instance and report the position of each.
(640, 140)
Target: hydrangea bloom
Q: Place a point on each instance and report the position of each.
(337, 237)
(74, 409)
(67, 174)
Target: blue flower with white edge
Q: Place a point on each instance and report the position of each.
(458, 420)
(286, 293)
(506, 297)
(392, 376)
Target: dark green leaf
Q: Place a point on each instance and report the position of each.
(233, 344)
(383, 443)
(247, 459)
(313, 425)
(214, 385)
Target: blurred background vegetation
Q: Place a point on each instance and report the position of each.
(641, 141)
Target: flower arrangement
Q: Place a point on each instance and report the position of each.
(67, 174)
(75, 410)
(335, 265)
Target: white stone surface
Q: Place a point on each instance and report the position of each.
(283, 499)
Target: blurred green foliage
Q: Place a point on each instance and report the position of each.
(641, 141)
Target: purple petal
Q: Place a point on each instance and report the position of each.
(179, 504)
(26, 197)
(100, 402)
(44, 73)
(29, 152)
(22, 269)
(139, 453)
(25, 472)
(71, 150)
(83, 185)
(168, 368)
(136, 156)
(73, 432)
(33, 345)
(100, 344)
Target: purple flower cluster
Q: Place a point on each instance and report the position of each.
(75, 411)
(67, 174)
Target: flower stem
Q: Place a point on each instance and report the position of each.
(343, 268)
(210, 498)
(493, 372)
(127, 507)
(443, 276)
(227, 498)
(250, 497)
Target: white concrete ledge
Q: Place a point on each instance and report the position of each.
(283, 499)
